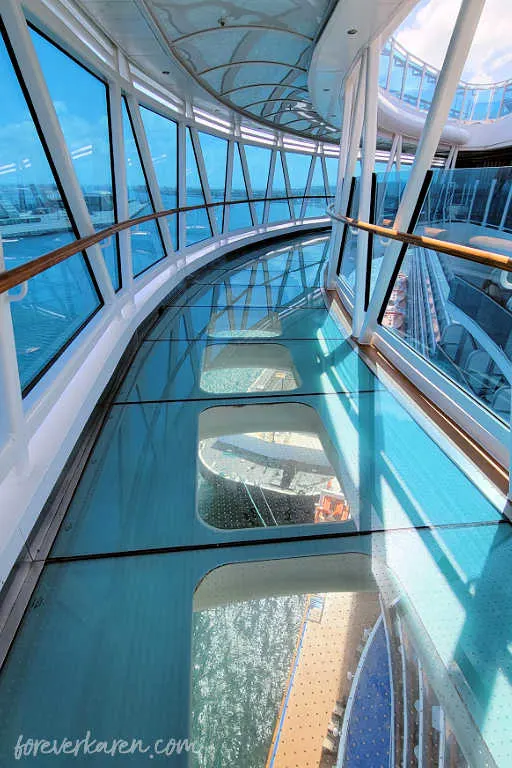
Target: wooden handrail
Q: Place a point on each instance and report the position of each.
(10, 278)
(478, 255)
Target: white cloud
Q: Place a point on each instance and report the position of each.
(427, 31)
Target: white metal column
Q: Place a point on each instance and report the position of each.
(120, 185)
(354, 138)
(28, 63)
(369, 147)
(444, 93)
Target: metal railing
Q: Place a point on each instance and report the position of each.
(19, 275)
(408, 78)
(478, 255)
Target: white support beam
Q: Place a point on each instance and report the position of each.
(229, 184)
(37, 91)
(120, 183)
(270, 184)
(203, 176)
(248, 183)
(149, 172)
(354, 138)
(458, 49)
(365, 190)
(182, 185)
(307, 188)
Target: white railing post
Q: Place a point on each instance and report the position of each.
(437, 116)
(369, 146)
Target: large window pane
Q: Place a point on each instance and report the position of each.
(33, 221)
(197, 222)
(413, 76)
(162, 135)
(397, 73)
(332, 173)
(258, 162)
(279, 210)
(315, 206)
(81, 103)
(298, 170)
(239, 215)
(147, 248)
(348, 262)
(215, 155)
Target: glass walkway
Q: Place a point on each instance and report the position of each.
(271, 559)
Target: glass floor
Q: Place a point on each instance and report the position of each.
(269, 561)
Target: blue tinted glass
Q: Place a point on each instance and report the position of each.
(506, 107)
(457, 103)
(280, 210)
(258, 162)
(427, 90)
(412, 84)
(147, 248)
(397, 74)
(215, 155)
(384, 65)
(80, 100)
(198, 223)
(316, 204)
(496, 99)
(482, 104)
(298, 169)
(33, 221)
(239, 215)
(331, 164)
(58, 303)
(163, 145)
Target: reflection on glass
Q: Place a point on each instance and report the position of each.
(248, 368)
(80, 100)
(321, 678)
(58, 303)
(258, 162)
(348, 261)
(298, 170)
(315, 206)
(256, 470)
(146, 244)
(435, 304)
(197, 222)
(240, 214)
(33, 221)
(331, 164)
(163, 145)
(280, 209)
(215, 155)
(256, 322)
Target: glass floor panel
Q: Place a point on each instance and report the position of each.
(301, 651)
(370, 440)
(181, 369)
(286, 577)
(263, 323)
